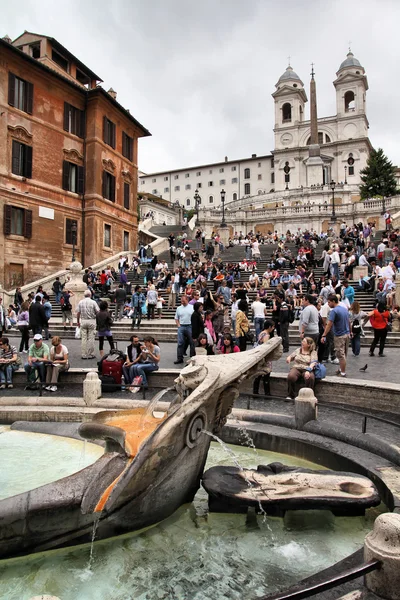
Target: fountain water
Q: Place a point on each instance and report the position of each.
(243, 471)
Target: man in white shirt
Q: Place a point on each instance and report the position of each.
(363, 260)
(259, 314)
(335, 262)
(380, 250)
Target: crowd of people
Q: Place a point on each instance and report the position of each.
(217, 318)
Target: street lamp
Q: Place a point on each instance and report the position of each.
(345, 174)
(73, 233)
(197, 200)
(333, 185)
(223, 193)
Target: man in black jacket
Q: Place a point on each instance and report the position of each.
(120, 299)
(37, 316)
(281, 318)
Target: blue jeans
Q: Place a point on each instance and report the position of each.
(58, 296)
(39, 366)
(258, 325)
(335, 269)
(185, 340)
(129, 373)
(6, 372)
(142, 369)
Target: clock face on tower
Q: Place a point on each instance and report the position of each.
(286, 139)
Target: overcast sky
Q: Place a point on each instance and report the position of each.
(199, 73)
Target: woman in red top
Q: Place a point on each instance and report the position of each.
(379, 319)
(228, 346)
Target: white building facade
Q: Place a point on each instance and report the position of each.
(343, 140)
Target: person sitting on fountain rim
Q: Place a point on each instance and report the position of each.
(38, 353)
(266, 334)
(149, 359)
(59, 358)
(9, 362)
(133, 353)
(304, 360)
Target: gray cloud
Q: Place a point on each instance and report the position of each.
(200, 75)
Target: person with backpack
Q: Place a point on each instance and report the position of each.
(66, 308)
(356, 317)
(57, 289)
(103, 325)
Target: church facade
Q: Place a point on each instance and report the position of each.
(288, 174)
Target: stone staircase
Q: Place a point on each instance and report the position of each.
(165, 329)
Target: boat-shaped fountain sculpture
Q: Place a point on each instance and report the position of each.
(152, 463)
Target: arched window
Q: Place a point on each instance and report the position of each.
(234, 197)
(286, 112)
(247, 188)
(327, 139)
(349, 102)
(187, 201)
(247, 173)
(211, 199)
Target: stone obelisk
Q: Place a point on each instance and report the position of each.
(314, 162)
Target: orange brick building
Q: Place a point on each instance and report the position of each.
(68, 162)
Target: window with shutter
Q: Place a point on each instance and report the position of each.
(127, 191)
(65, 175)
(21, 159)
(108, 186)
(108, 132)
(16, 158)
(74, 120)
(28, 224)
(127, 146)
(20, 93)
(7, 219)
(11, 89)
(28, 162)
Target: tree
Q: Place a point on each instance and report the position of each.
(378, 177)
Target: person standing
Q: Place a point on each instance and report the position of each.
(196, 320)
(37, 315)
(57, 289)
(23, 326)
(242, 325)
(183, 316)
(259, 314)
(152, 298)
(309, 319)
(137, 302)
(66, 308)
(103, 326)
(120, 298)
(338, 320)
(86, 312)
(379, 319)
(47, 309)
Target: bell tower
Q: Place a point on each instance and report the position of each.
(351, 86)
(290, 98)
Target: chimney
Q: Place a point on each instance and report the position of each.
(254, 156)
(226, 159)
(112, 93)
(7, 39)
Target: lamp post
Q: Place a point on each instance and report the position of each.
(73, 232)
(345, 174)
(223, 193)
(197, 200)
(333, 185)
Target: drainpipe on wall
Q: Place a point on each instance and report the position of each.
(83, 248)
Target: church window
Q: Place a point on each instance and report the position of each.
(259, 176)
(351, 170)
(327, 139)
(295, 85)
(187, 201)
(349, 102)
(286, 112)
(247, 173)
(301, 113)
(234, 197)
(247, 188)
(211, 199)
(320, 137)
(272, 177)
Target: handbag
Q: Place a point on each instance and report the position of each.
(78, 333)
(143, 309)
(319, 371)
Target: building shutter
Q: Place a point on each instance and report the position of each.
(66, 116)
(105, 130)
(15, 166)
(11, 89)
(113, 128)
(7, 219)
(104, 192)
(65, 175)
(28, 162)
(28, 224)
(82, 124)
(126, 195)
(81, 180)
(112, 188)
(29, 97)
